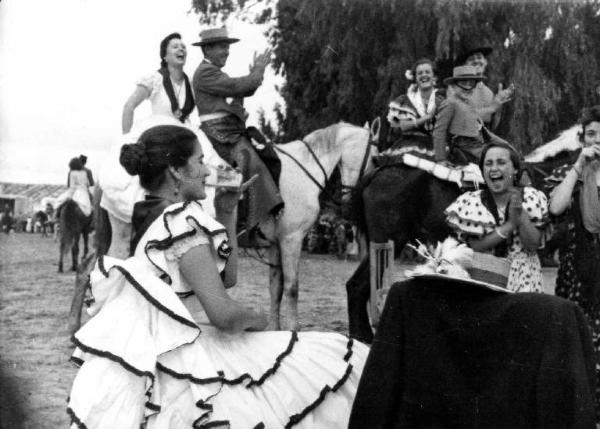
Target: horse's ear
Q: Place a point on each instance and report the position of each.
(375, 128)
(366, 126)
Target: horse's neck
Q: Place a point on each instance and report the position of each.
(328, 159)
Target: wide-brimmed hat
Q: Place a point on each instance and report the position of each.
(464, 73)
(483, 270)
(472, 50)
(215, 35)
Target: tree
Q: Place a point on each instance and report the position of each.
(345, 59)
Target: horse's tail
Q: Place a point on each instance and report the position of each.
(101, 225)
(69, 221)
(356, 206)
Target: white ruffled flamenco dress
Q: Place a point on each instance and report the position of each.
(150, 356)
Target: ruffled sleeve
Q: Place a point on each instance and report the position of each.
(206, 230)
(151, 82)
(181, 227)
(468, 216)
(536, 205)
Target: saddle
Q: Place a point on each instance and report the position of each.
(465, 176)
(250, 234)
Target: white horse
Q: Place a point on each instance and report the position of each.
(305, 166)
(303, 163)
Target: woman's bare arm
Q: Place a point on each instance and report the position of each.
(199, 269)
(134, 100)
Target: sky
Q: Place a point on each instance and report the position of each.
(67, 67)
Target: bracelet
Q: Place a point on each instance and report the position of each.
(500, 234)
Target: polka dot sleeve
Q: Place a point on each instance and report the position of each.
(535, 204)
(468, 216)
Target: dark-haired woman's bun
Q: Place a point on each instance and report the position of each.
(132, 158)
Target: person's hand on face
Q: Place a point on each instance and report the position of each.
(591, 143)
(226, 199)
(588, 154)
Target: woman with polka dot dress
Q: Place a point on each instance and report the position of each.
(504, 219)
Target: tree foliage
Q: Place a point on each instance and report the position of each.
(345, 59)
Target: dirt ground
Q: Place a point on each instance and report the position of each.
(35, 375)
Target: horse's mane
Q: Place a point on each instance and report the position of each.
(566, 141)
(323, 140)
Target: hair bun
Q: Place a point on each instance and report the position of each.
(132, 157)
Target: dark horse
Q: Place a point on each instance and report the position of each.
(404, 203)
(399, 202)
(100, 246)
(73, 224)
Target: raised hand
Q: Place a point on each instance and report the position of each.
(505, 95)
(261, 61)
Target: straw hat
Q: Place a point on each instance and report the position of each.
(460, 264)
(463, 73)
(472, 50)
(215, 35)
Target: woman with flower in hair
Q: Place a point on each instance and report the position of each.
(167, 347)
(411, 115)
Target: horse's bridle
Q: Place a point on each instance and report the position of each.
(345, 188)
(363, 166)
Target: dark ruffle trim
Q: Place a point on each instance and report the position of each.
(296, 418)
(165, 243)
(211, 424)
(75, 420)
(349, 346)
(112, 357)
(221, 378)
(146, 295)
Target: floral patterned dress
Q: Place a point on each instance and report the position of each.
(470, 218)
(569, 283)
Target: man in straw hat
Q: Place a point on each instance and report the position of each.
(219, 99)
(460, 133)
(488, 105)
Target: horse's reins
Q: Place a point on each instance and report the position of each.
(335, 200)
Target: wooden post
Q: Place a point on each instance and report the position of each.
(381, 259)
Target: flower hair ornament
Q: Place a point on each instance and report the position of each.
(408, 74)
(455, 261)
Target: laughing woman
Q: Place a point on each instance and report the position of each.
(171, 97)
(168, 89)
(503, 218)
(414, 112)
(168, 348)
